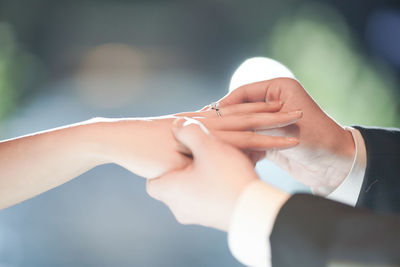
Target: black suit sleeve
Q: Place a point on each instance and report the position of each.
(380, 190)
(313, 231)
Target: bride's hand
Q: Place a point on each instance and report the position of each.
(37, 162)
(147, 146)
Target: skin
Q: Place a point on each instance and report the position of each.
(206, 191)
(38, 162)
(326, 151)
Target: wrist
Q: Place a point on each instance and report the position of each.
(346, 145)
(342, 152)
(96, 144)
(144, 146)
(345, 156)
(111, 137)
(348, 191)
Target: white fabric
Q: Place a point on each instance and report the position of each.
(349, 190)
(258, 69)
(252, 223)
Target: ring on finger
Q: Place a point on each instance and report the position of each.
(215, 106)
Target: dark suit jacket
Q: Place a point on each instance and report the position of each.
(313, 231)
(380, 191)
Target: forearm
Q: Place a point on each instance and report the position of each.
(35, 163)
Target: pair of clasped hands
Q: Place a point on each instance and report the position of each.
(197, 163)
(211, 160)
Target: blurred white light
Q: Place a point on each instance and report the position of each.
(111, 75)
(258, 69)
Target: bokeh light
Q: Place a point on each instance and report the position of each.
(19, 72)
(315, 43)
(7, 49)
(111, 75)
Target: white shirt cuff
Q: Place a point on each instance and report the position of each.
(349, 190)
(252, 223)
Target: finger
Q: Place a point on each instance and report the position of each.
(163, 186)
(254, 92)
(253, 141)
(192, 134)
(252, 121)
(245, 108)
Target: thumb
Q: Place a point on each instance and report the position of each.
(235, 97)
(193, 135)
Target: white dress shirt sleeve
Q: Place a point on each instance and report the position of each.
(349, 190)
(252, 222)
(259, 204)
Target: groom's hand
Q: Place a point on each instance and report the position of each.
(220, 189)
(324, 157)
(206, 191)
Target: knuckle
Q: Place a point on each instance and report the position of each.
(291, 84)
(179, 161)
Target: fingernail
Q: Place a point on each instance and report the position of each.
(296, 113)
(293, 140)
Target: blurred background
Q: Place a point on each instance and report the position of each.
(68, 61)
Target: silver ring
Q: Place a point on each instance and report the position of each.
(215, 106)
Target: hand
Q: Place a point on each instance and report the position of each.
(35, 163)
(245, 110)
(205, 192)
(148, 148)
(324, 157)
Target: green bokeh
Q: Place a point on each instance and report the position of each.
(315, 43)
(7, 52)
(19, 71)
